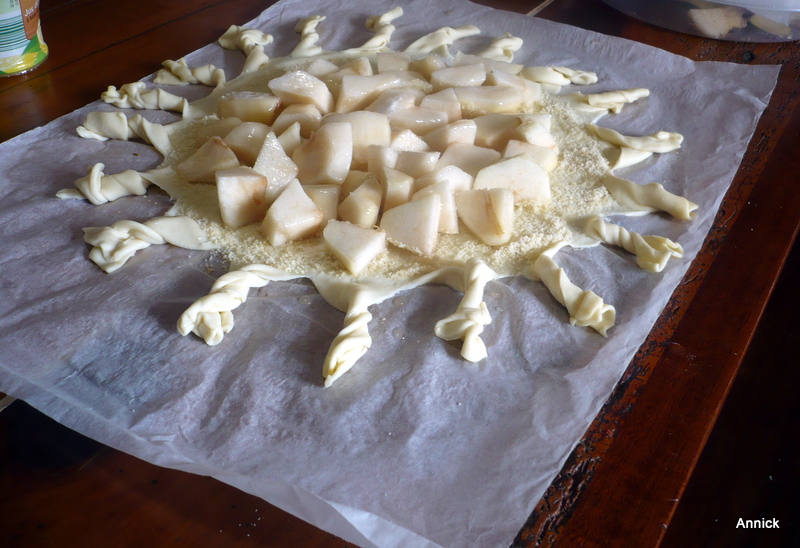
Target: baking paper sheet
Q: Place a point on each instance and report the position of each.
(413, 446)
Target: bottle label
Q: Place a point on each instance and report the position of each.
(22, 47)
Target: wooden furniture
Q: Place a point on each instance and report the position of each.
(626, 478)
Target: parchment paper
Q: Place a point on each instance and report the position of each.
(414, 446)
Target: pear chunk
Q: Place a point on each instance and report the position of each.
(245, 140)
(416, 164)
(414, 225)
(405, 139)
(460, 131)
(275, 165)
(379, 157)
(479, 100)
(301, 87)
(326, 157)
(420, 120)
(292, 216)
(390, 60)
(326, 198)
(357, 92)
(211, 157)
(487, 213)
(448, 219)
(308, 116)
(444, 101)
(368, 128)
(464, 75)
(527, 180)
(545, 157)
(470, 158)
(457, 177)
(290, 139)
(397, 187)
(353, 245)
(249, 106)
(362, 206)
(241, 192)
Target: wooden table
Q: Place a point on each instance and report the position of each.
(624, 482)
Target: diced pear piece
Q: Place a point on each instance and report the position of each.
(275, 165)
(448, 219)
(461, 131)
(211, 157)
(479, 100)
(427, 65)
(457, 177)
(521, 175)
(416, 164)
(470, 158)
(249, 106)
(321, 68)
(292, 216)
(358, 67)
(301, 87)
(488, 214)
(362, 206)
(395, 99)
(444, 101)
(397, 187)
(246, 139)
(353, 245)
(464, 75)
(355, 178)
(545, 119)
(368, 128)
(536, 133)
(390, 60)
(379, 157)
(326, 198)
(290, 139)
(545, 157)
(357, 92)
(494, 130)
(420, 120)
(222, 126)
(405, 139)
(532, 90)
(241, 193)
(408, 79)
(308, 116)
(414, 225)
(326, 157)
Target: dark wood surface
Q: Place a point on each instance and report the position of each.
(626, 483)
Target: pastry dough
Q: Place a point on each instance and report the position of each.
(115, 125)
(652, 252)
(580, 77)
(502, 48)
(244, 39)
(383, 28)
(613, 101)
(308, 37)
(136, 95)
(176, 73)
(468, 321)
(660, 141)
(585, 308)
(100, 188)
(115, 244)
(648, 198)
(210, 317)
(440, 38)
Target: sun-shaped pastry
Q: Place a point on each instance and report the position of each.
(371, 171)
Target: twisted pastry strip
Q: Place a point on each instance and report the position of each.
(115, 244)
(307, 28)
(630, 156)
(502, 48)
(614, 100)
(210, 316)
(136, 95)
(100, 188)
(382, 26)
(468, 321)
(649, 197)
(442, 37)
(579, 77)
(244, 39)
(177, 73)
(255, 60)
(660, 141)
(350, 344)
(115, 125)
(652, 252)
(585, 308)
